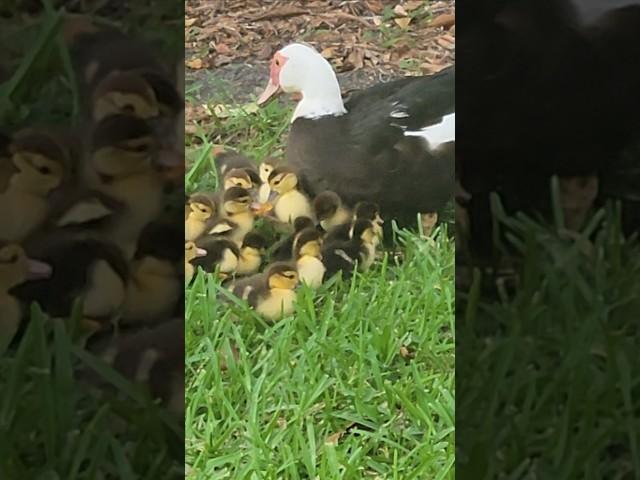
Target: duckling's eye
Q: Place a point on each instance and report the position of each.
(128, 108)
(44, 170)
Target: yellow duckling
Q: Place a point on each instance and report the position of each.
(251, 252)
(271, 294)
(236, 207)
(201, 212)
(267, 166)
(308, 257)
(289, 202)
(191, 252)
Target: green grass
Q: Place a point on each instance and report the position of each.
(53, 425)
(358, 383)
(547, 384)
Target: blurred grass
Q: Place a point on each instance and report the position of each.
(53, 424)
(546, 381)
(358, 383)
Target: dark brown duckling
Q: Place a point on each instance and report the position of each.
(83, 268)
(359, 251)
(221, 255)
(330, 211)
(363, 211)
(225, 161)
(283, 250)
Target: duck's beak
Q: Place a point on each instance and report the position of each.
(37, 270)
(200, 252)
(270, 92)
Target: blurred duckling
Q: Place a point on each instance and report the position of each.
(155, 284)
(251, 252)
(122, 163)
(199, 216)
(191, 252)
(221, 255)
(308, 257)
(86, 268)
(272, 293)
(236, 206)
(41, 167)
(330, 211)
(15, 269)
(246, 178)
(288, 199)
(152, 357)
(124, 93)
(283, 250)
(359, 251)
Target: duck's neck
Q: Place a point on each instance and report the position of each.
(320, 99)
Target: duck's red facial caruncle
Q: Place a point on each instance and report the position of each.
(274, 87)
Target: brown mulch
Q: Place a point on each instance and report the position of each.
(409, 36)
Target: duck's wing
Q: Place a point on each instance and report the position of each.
(381, 116)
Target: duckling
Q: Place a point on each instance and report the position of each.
(329, 210)
(153, 357)
(289, 201)
(345, 255)
(226, 161)
(271, 294)
(41, 167)
(155, 283)
(191, 252)
(251, 251)
(236, 207)
(267, 166)
(201, 212)
(308, 257)
(87, 268)
(283, 250)
(222, 254)
(15, 269)
(124, 93)
(364, 211)
(237, 177)
(122, 164)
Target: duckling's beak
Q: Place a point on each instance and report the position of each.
(379, 220)
(200, 252)
(272, 196)
(37, 270)
(261, 209)
(270, 92)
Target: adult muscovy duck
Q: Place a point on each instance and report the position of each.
(391, 143)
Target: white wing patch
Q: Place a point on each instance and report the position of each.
(439, 133)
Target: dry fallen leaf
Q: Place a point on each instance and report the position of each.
(406, 353)
(189, 22)
(333, 439)
(195, 64)
(445, 20)
(412, 5)
(327, 52)
(221, 111)
(356, 58)
(265, 52)
(377, 20)
(399, 10)
(222, 49)
(403, 22)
